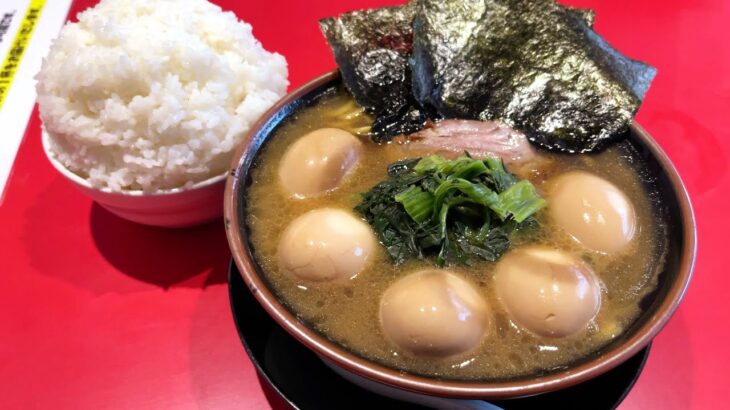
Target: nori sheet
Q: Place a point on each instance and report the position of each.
(531, 63)
(372, 48)
(587, 15)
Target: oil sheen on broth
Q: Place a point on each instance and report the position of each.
(347, 311)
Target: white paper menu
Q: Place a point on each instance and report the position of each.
(26, 30)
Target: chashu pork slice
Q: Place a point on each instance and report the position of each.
(451, 138)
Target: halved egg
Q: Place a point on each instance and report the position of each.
(549, 292)
(326, 244)
(592, 210)
(434, 312)
(318, 162)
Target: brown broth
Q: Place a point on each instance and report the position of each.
(347, 312)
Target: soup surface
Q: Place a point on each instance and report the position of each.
(347, 312)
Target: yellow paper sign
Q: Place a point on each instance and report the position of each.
(18, 47)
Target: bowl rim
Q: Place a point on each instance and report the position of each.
(82, 182)
(451, 388)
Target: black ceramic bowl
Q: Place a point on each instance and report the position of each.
(670, 199)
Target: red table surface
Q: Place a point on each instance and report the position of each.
(97, 312)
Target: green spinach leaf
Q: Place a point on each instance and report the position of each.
(453, 210)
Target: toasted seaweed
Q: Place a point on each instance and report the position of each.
(372, 49)
(531, 63)
(587, 15)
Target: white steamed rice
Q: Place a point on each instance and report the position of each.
(152, 95)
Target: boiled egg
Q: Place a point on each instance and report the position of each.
(549, 292)
(592, 210)
(326, 244)
(435, 313)
(318, 162)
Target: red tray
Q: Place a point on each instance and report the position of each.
(100, 313)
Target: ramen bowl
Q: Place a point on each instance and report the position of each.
(657, 307)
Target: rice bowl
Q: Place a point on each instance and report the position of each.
(154, 96)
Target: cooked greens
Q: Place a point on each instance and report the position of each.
(455, 210)
(533, 64)
(372, 48)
